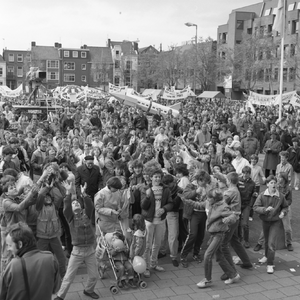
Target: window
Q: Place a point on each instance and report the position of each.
(292, 50)
(20, 58)
(83, 54)
(52, 76)
(128, 65)
(20, 72)
(249, 30)
(270, 28)
(238, 42)
(285, 74)
(83, 67)
(294, 26)
(69, 77)
(10, 69)
(267, 75)
(268, 12)
(11, 57)
(66, 54)
(75, 53)
(69, 66)
(298, 6)
(52, 64)
(28, 57)
(260, 75)
(117, 52)
(1, 72)
(117, 64)
(117, 80)
(292, 74)
(240, 24)
(291, 6)
(83, 78)
(276, 74)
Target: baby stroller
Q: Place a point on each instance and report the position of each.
(107, 257)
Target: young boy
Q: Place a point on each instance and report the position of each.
(246, 188)
(156, 201)
(83, 238)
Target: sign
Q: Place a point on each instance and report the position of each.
(117, 89)
(295, 101)
(172, 94)
(269, 100)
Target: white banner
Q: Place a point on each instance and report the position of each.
(173, 94)
(269, 100)
(295, 101)
(117, 89)
(7, 92)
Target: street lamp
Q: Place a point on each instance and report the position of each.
(189, 24)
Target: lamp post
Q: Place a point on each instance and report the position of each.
(189, 24)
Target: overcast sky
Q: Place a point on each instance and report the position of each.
(92, 22)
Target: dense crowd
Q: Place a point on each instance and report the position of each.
(147, 184)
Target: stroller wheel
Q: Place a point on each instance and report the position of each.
(101, 272)
(114, 290)
(143, 284)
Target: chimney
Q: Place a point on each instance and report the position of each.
(108, 43)
(59, 45)
(33, 44)
(160, 47)
(135, 46)
(84, 46)
(56, 45)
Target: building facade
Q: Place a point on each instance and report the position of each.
(17, 63)
(255, 23)
(2, 71)
(125, 59)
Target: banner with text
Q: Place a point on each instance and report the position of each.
(172, 94)
(269, 100)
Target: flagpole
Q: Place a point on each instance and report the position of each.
(282, 61)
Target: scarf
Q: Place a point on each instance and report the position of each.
(26, 249)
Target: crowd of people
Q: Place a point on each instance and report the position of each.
(150, 185)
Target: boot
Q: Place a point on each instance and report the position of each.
(288, 238)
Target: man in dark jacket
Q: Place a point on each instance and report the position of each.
(90, 174)
(40, 267)
(96, 121)
(141, 123)
(286, 138)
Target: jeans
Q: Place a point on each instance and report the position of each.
(196, 234)
(171, 235)
(244, 224)
(183, 229)
(286, 222)
(214, 247)
(270, 232)
(67, 235)
(296, 179)
(123, 269)
(54, 245)
(79, 255)
(231, 237)
(155, 234)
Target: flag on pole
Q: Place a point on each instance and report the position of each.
(278, 22)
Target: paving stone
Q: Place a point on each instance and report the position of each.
(182, 290)
(166, 275)
(75, 287)
(253, 288)
(250, 279)
(236, 291)
(290, 291)
(73, 296)
(124, 297)
(146, 295)
(182, 297)
(165, 283)
(286, 281)
(200, 295)
(222, 293)
(273, 294)
(167, 292)
(183, 273)
(256, 296)
(183, 281)
(269, 285)
(283, 274)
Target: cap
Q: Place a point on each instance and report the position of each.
(89, 157)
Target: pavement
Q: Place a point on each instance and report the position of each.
(180, 283)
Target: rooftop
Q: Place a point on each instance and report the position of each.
(44, 52)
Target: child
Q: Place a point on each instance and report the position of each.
(120, 255)
(156, 201)
(246, 188)
(138, 243)
(272, 206)
(218, 219)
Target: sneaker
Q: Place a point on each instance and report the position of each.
(290, 247)
(250, 219)
(246, 266)
(224, 277)
(270, 269)
(175, 263)
(296, 188)
(184, 262)
(246, 245)
(204, 283)
(158, 269)
(233, 280)
(147, 273)
(263, 260)
(58, 298)
(257, 247)
(92, 294)
(197, 257)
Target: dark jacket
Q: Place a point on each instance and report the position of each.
(264, 200)
(92, 177)
(148, 204)
(96, 122)
(246, 189)
(43, 277)
(141, 122)
(294, 158)
(81, 228)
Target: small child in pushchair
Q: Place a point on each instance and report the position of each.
(120, 255)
